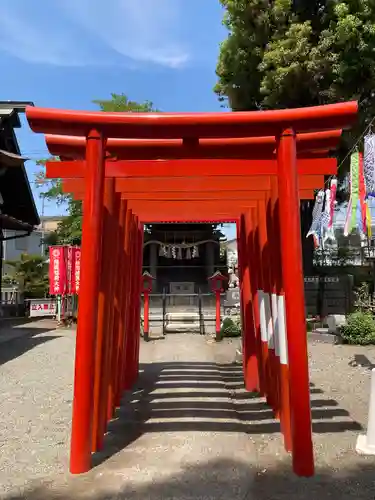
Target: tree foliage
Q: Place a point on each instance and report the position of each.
(360, 329)
(30, 272)
(296, 53)
(69, 230)
(121, 103)
(291, 53)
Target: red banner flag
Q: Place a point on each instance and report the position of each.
(76, 270)
(57, 270)
(69, 269)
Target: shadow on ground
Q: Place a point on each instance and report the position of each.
(362, 361)
(223, 406)
(229, 480)
(25, 338)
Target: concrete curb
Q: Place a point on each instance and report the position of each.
(326, 338)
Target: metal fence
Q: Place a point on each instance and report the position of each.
(183, 312)
(325, 295)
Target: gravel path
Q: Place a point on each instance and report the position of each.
(36, 375)
(189, 430)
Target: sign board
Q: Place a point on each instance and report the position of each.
(369, 253)
(42, 307)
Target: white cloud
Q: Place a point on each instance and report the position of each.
(35, 40)
(143, 30)
(93, 32)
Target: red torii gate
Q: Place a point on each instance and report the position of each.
(285, 280)
(307, 144)
(276, 390)
(186, 188)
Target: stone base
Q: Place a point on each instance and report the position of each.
(182, 327)
(183, 316)
(334, 321)
(362, 448)
(327, 338)
(239, 357)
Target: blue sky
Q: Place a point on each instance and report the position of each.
(65, 53)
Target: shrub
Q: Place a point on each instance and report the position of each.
(360, 329)
(230, 328)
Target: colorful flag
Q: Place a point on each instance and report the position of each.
(354, 189)
(315, 228)
(369, 164)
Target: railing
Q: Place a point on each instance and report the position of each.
(188, 300)
(164, 311)
(201, 316)
(202, 304)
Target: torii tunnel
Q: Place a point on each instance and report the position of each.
(251, 168)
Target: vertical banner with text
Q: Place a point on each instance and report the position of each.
(57, 270)
(69, 252)
(76, 258)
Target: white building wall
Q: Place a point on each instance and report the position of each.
(12, 249)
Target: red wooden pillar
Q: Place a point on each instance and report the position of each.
(279, 325)
(80, 458)
(138, 247)
(117, 318)
(138, 305)
(217, 316)
(254, 264)
(264, 298)
(291, 259)
(273, 251)
(146, 313)
(105, 386)
(124, 306)
(240, 267)
(103, 311)
(251, 372)
(129, 344)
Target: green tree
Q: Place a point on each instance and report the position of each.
(121, 103)
(69, 230)
(296, 53)
(285, 53)
(31, 273)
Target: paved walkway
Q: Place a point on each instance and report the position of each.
(188, 431)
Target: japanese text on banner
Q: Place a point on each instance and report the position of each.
(76, 270)
(57, 272)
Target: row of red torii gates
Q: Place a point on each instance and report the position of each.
(251, 168)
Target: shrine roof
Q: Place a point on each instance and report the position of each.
(18, 207)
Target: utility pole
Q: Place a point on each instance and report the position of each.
(42, 228)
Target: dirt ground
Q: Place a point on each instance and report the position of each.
(188, 431)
